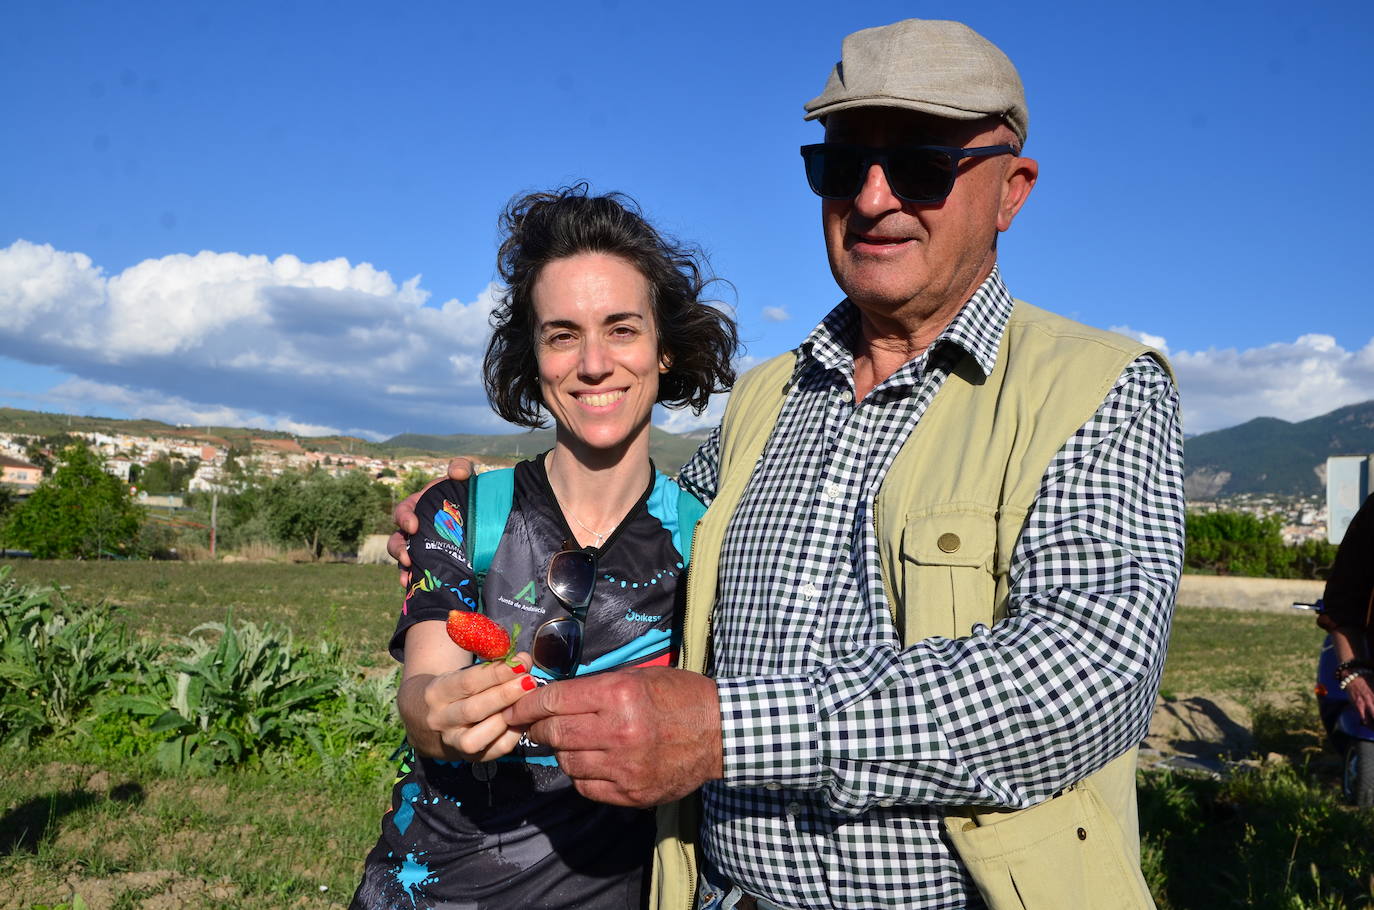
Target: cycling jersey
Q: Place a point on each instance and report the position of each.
(514, 832)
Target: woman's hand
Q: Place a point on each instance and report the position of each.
(461, 710)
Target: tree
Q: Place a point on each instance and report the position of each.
(78, 511)
(323, 513)
(166, 475)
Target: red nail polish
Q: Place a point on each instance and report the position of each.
(519, 668)
(528, 684)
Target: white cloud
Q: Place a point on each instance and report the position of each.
(234, 339)
(1293, 381)
(77, 393)
(776, 314)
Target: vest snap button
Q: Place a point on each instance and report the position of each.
(1082, 834)
(948, 542)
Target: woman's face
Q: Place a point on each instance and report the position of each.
(597, 347)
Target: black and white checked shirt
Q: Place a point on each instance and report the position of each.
(841, 748)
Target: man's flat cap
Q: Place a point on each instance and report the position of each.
(930, 65)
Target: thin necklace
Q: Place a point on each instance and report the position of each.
(600, 536)
(592, 531)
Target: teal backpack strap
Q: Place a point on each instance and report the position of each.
(689, 512)
(489, 502)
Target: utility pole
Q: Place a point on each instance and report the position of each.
(214, 514)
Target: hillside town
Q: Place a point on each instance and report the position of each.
(218, 467)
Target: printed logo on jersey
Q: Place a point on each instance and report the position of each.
(448, 524)
(527, 599)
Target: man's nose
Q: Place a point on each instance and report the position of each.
(875, 195)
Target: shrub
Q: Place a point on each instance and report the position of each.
(1239, 543)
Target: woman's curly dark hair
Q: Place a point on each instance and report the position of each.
(697, 339)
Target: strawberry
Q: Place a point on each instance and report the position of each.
(483, 637)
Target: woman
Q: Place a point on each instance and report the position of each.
(602, 319)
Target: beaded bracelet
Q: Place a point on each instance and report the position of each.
(1354, 672)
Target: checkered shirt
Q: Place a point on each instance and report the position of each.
(841, 747)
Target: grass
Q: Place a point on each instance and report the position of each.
(239, 839)
(122, 834)
(1238, 652)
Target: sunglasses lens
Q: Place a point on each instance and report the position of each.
(836, 171)
(558, 646)
(572, 575)
(920, 175)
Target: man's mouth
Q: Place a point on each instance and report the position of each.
(878, 240)
(599, 399)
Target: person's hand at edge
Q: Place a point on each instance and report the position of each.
(638, 737)
(459, 468)
(1362, 698)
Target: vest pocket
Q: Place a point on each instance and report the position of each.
(947, 584)
(1065, 852)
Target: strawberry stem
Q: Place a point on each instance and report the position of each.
(514, 638)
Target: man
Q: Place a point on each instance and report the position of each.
(941, 556)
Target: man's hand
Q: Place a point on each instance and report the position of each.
(632, 738)
(459, 468)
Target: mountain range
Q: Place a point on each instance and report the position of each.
(1264, 455)
(1268, 455)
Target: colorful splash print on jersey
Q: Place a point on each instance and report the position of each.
(431, 582)
(448, 524)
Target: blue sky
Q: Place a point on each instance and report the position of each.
(284, 214)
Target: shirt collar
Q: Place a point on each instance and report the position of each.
(976, 329)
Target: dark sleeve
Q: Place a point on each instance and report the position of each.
(1352, 574)
(441, 577)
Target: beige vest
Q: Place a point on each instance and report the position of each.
(949, 514)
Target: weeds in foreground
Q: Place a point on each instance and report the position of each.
(1269, 838)
(225, 695)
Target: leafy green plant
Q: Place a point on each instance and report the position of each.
(56, 658)
(221, 701)
(359, 721)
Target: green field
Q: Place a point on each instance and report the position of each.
(87, 813)
(353, 605)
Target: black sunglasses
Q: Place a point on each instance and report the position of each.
(918, 173)
(557, 646)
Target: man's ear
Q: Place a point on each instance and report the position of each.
(1017, 183)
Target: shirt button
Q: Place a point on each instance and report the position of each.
(809, 591)
(772, 785)
(831, 490)
(948, 542)
(846, 395)
(794, 808)
(887, 803)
